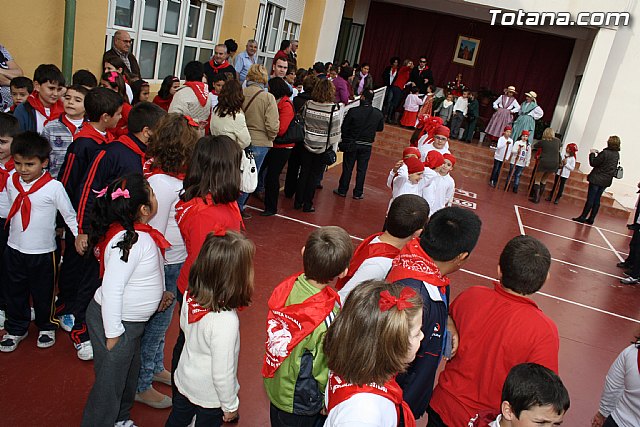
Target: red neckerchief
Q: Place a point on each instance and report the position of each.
(185, 210)
(54, 111)
(115, 228)
(339, 391)
(195, 310)
(5, 172)
(201, 91)
(22, 201)
(217, 68)
(163, 103)
(128, 142)
(365, 251)
(65, 121)
(88, 131)
(149, 170)
(288, 325)
(483, 419)
(413, 263)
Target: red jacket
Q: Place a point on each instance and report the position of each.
(498, 330)
(404, 73)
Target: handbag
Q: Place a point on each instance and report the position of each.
(619, 171)
(295, 132)
(329, 156)
(248, 171)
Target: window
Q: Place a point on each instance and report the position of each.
(290, 31)
(167, 33)
(272, 28)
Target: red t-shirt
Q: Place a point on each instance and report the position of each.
(498, 330)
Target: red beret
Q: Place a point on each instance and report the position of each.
(506, 128)
(572, 147)
(442, 130)
(414, 165)
(410, 151)
(451, 158)
(525, 132)
(434, 159)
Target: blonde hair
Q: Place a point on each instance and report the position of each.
(258, 73)
(548, 134)
(378, 341)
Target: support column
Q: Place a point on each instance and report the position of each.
(319, 31)
(239, 21)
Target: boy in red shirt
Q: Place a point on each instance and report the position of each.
(503, 322)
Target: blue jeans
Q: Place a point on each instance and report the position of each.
(516, 177)
(152, 344)
(592, 204)
(259, 153)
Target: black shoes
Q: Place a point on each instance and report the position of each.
(267, 213)
(579, 219)
(310, 209)
(338, 193)
(360, 197)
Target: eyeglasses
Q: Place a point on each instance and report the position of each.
(423, 62)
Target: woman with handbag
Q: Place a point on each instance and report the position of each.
(321, 118)
(605, 166)
(279, 154)
(228, 118)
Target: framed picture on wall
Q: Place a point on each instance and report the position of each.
(466, 51)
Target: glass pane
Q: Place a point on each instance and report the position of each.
(124, 13)
(205, 55)
(188, 55)
(172, 18)
(151, 11)
(209, 22)
(192, 19)
(168, 57)
(273, 29)
(147, 58)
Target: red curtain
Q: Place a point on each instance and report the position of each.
(506, 55)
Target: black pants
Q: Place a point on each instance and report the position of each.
(361, 156)
(563, 181)
(4, 236)
(281, 418)
(592, 205)
(434, 419)
(609, 422)
(635, 216)
(30, 275)
(177, 348)
(312, 165)
(456, 122)
(293, 170)
(634, 254)
(111, 397)
(87, 282)
(274, 162)
(393, 96)
(183, 410)
(70, 274)
(471, 129)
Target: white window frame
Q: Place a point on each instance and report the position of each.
(138, 34)
(287, 33)
(266, 57)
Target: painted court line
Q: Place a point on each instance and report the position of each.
(588, 307)
(610, 248)
(610, 245)
(516, 208)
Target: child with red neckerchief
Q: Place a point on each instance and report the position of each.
(131, 254)
(301, 308)
(116, 82)
(194, 99)
(362, 389)
(220, 284)
(43, 104)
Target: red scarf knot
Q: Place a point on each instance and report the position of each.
(5, 172)
(414, 263)
(54, 110)
(217, 68)
(388, 301)
(195, 311)
(22, 202)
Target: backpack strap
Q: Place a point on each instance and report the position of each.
(333, 108)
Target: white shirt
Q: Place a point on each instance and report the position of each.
(621, 395)
(503, 145)
(208, 367)
(363, 410)
(129, 92)
(461, 105)
(413, 102)
(439, 193)
(402, 184)
(5, 204)
(521, 153)
(131, 291)
(375, 268)
(167, 189)
(40, 119)
(570, 165)
(40, 236)
(501, 101)
(424, 147)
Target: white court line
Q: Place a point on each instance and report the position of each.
(519, 219)
(610, 245)
(588, 307)
(586, 268)
(610, 248)
(569, 220)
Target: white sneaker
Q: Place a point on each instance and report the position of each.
(3, 317)
(10, 342)
(85, 350)
(127, 423)
(46, 339)
(66, 322)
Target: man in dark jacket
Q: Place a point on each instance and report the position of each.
(359, 129)
(219, 64)
(422, 75)
(122, 48)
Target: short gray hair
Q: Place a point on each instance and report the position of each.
(221, 45)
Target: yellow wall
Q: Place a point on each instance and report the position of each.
(32, 31)
(239, 21)
(310, 32)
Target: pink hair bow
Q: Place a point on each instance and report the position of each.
(120, 193)
(100, 193)
(387, 301)
(113, 75)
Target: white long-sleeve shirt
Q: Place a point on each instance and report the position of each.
(569, 166)
(621, 395)
(521, 153)
(363, 410)
(461, 105)
(40, 236)
(374, 268)
(504, 145)
(425, 145)
(413, 102)
(167, 189)
(439, 193)
(208, 367)
(400, 183)
(536, 113)
(131, 291)
(502, 100)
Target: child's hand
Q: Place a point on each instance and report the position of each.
(230, 417)
(82, 243)
(397, 166)
(598, 420)
(111, 342)
(166, 301)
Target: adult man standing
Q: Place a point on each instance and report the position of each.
(358, 133)
(246, 59)
(293, 55)
(279, 67)
(122, 47)
(285, 50)
(218, 64)
(422, 75)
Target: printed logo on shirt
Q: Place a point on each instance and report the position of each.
(58, 142)
(279, 338)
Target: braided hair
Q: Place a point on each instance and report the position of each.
(122, 210)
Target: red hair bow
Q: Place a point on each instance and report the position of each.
(191, 121)
(387, 301)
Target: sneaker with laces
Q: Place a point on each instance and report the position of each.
(126, 423)
(630, 281)
(3, 317)
(85, 350)
(10, 342)
(66, 322)
(46, 339)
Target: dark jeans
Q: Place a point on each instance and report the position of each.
(471, 129)
(274, 162)
(281, 418)
(4, 236)
(456, 122)
(183, 410)
(634, 254)
(563, 181)
(592, 205)
(393, 96)
(495, 172)
(515, 177)
(361, 155)
(434, 419)
(312, 165)
(293, 170)
(87, 282)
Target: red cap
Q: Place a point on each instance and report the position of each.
(573, 147)
(410, 151)
(414, 165)
(442, 130)
(434, 159)
(506, 128)
(451, 158)
(525, 132)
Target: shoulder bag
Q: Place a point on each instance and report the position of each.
(248, 168)
(619, 171)
(330, 156)
(295, 131)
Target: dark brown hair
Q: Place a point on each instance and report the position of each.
(230, 99)
(613, 143)
(221, 278)
(324, 92)
(214, 169)
(378, 341)
(327, 253)
(171, 144)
